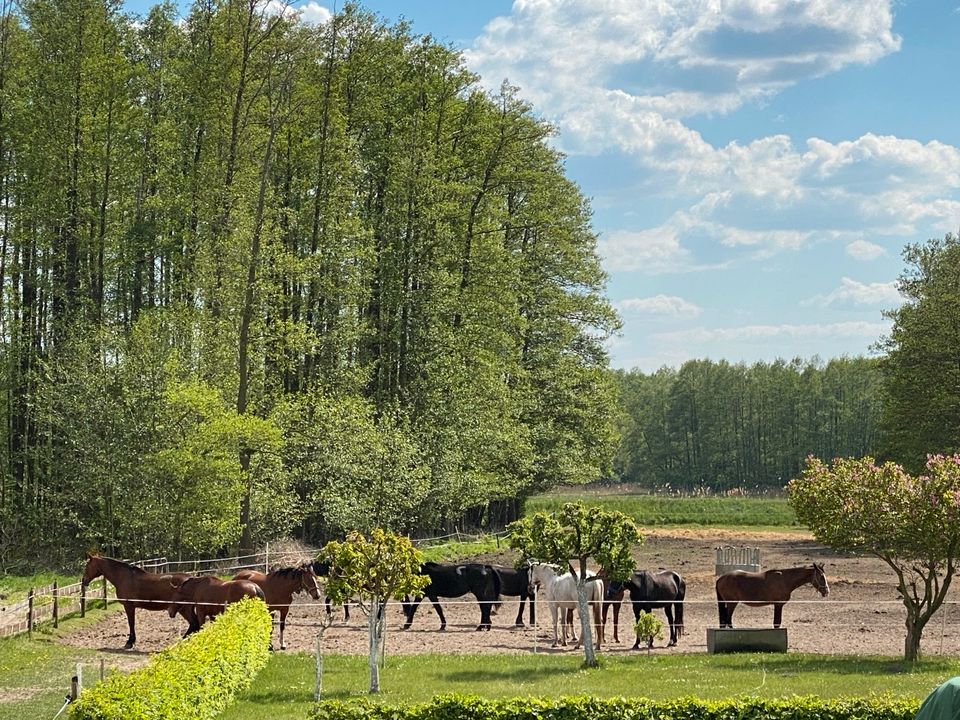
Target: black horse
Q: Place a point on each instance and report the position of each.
(322, 569)
(516, 582)
(649, 591)
(452, 581)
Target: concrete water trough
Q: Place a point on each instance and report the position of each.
(725, 640)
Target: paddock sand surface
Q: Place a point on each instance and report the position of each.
(862, 614)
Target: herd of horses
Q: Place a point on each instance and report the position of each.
(199, 598)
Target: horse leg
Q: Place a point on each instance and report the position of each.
(673, 628)
(409, 609)
(777, 614)
(132, 637)
(730, 607)
(573, 628)
(283, 624)
(519, 621)
(597, 623)
(616, 622)
(553, 613)
(439, 610)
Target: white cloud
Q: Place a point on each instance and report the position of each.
(865, 250)
(677, 58)
(759, 334)
(651, 64)
(313, 13)
(858, 294)
(655, 250)
(669, 305)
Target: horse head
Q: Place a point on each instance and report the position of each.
(308, 581)
(92, 571)
(615, 590)
(820, 580)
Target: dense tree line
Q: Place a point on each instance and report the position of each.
(714, 426)
(259, 275)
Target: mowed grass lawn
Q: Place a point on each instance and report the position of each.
(760, 513)
(284, 689)
(35, 673)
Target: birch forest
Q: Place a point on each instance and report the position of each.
(261, 278)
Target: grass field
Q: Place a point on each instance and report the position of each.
(284, 690)
(671, 511)
(35, 674)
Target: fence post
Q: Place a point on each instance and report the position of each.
(104, 593)
(56, 614)
(74, 688)
(30, 613)
(266, 560)
(318, 688)
(83, 600)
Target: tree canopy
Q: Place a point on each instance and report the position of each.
(921, 367)
(326, 245)
(911, 522)
(578, 533)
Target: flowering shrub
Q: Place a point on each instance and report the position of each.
(910, 522)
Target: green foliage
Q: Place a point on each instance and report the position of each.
(264, 274)
(716, 426)
(648, 626)
(910, 522)
(470, 707)
(196, 678)
(919, 370)
(577, 532)
(383, 565)
(648, 510)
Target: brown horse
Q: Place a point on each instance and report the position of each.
(201, 598)
(136, 588)
(772, 587)
(279, 587)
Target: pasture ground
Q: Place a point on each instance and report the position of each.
(849, 643)
(862, 615)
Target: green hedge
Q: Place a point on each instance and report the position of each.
(196, 678)
(466, 707)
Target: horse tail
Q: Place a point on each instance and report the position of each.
(260, 592)
(722, 609)
(678, 606)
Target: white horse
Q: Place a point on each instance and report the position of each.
(560, 592)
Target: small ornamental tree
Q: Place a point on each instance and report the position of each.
(912, 523)
(649, 627)
(374, 570)
(576, 533)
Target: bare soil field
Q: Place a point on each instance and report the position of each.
(862, 614)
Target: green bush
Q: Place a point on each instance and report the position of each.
(465, 707)
(196, 678)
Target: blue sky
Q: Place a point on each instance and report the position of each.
(755, 166)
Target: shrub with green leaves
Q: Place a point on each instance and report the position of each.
(468, 707)
(194, 679)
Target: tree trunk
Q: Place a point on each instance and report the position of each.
(586, 631)
(374, 630)
(911, 644)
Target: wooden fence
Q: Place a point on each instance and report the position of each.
(52, 603)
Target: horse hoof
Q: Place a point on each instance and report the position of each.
(519, 624)
(671, 643)
(129, 645)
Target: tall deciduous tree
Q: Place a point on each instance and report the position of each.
(921, 368)
(911, 522)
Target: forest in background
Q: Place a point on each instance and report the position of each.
(261, 277)
(717, 427)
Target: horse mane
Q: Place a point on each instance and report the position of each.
(122, 563)
(291, 570)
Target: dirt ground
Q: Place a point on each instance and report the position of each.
(862, 614)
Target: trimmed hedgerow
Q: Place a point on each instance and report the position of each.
(196, 678)
(468, 707)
